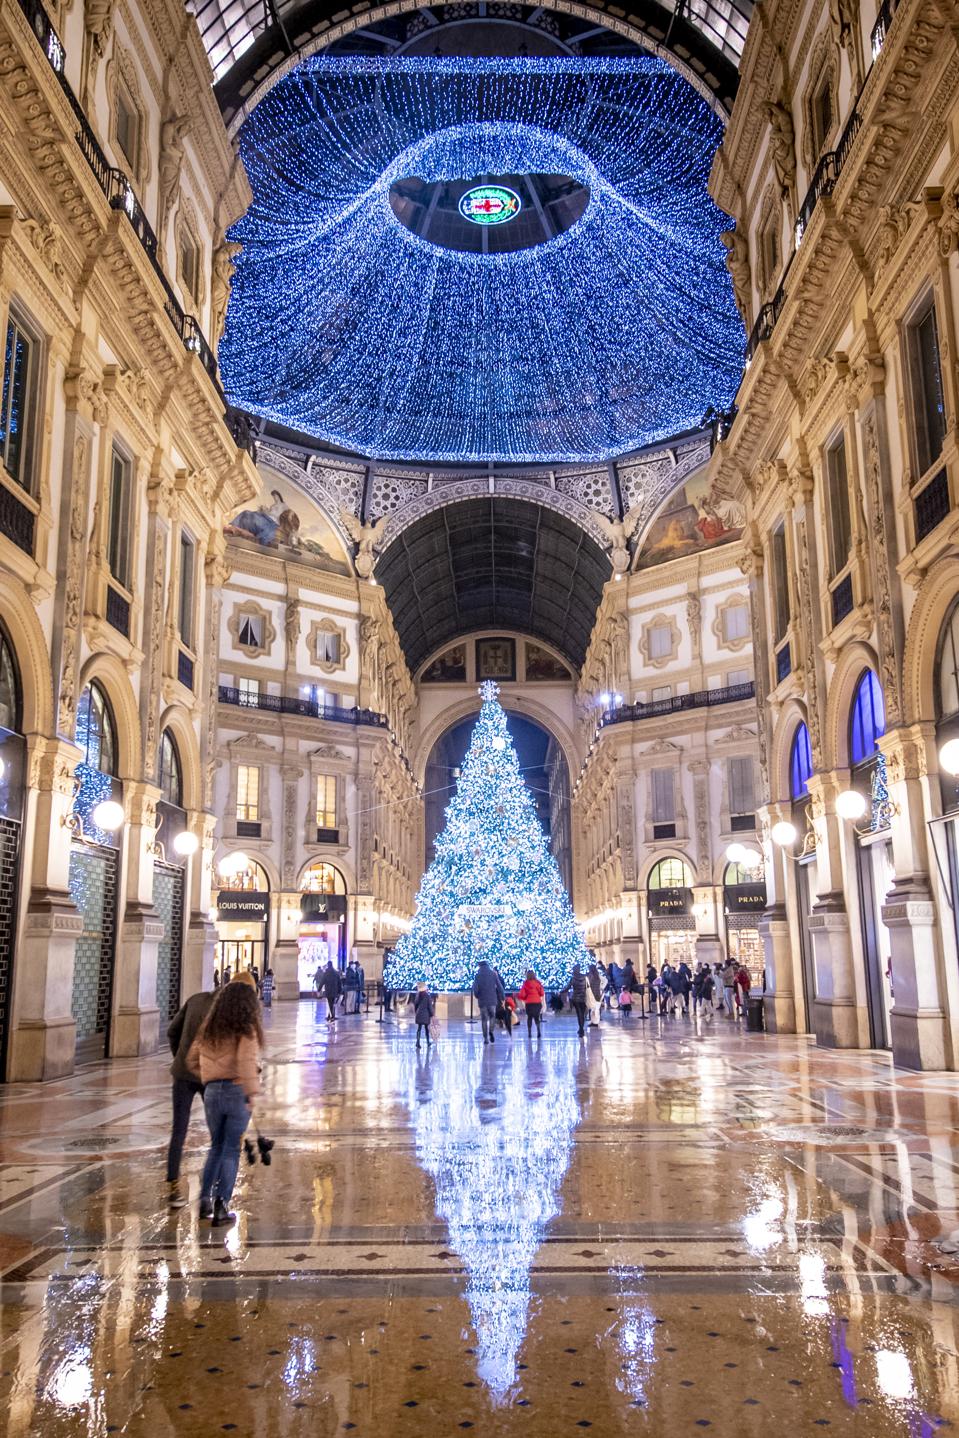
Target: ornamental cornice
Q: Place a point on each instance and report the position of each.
(563, 504)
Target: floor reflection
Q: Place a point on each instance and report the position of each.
(495, 1133)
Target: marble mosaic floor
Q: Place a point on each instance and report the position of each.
(663, 1230)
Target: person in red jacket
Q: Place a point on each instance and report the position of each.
(532, 994)
(743, 985)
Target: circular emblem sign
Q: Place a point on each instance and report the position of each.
(490, 204)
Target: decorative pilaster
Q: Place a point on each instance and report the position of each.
(918, 1024)
(839, 1019)
(42, 1028)
(136, 1017)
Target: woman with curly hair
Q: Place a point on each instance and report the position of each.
(228, 1060)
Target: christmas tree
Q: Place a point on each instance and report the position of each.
(493, 891)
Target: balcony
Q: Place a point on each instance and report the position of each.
(931, 505)
(302, 708)
(701, 699)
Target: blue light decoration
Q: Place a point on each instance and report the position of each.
(497, 1146)
(490, 205)
(346, 325)
(494, 890)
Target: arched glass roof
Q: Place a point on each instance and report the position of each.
(249, 42)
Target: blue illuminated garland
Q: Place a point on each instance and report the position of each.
(345, 324)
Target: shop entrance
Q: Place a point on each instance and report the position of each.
(669, 900)
(242, 917)
(744, 900)
(322, 935)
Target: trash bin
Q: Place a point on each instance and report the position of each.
(754, 1015)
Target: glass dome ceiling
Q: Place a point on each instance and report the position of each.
(347, 323)
(250, 43)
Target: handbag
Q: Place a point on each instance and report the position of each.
(434, 1029)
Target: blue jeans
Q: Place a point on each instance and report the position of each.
(227, 1116)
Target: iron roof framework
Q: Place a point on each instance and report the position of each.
(252, 42)
(493, 564)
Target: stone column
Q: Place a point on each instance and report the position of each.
(709, 944)
(42, 1028)
(839, 1019)
(781, 958)
(199, 940)
(286, 952)
(919, 1027)
(136, 1017)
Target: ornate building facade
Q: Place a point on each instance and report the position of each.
(843, 453)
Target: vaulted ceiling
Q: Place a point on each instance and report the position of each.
(251, 41)
(493, 564)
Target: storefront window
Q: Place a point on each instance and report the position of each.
(744, 899)
(672, 928)
(323, 879)
(322, 935)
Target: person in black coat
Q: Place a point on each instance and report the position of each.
(424, 1007)
(576, 988)
(183, 1029)
(686, 974)
(488, 991)
(331, 985)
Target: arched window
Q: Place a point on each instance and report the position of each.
(96, 733)
(735, 874)
(670, 874)
(868, 722)
(947, 667)
(9, 687)
(323, 878)
(800, 764)
(171, 775)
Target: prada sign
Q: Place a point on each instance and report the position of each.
(670, 901)
(745, 898)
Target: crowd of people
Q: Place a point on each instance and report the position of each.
(669, 990)
(216, 1039)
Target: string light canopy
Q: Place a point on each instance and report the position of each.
(609, 335)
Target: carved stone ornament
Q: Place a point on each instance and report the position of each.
(328, 751)
(948, 224)
(890, 672)
(46, 237)
(249, 741)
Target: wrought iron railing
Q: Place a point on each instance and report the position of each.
(842, 600)
(118, 190)
(784, 663)
(766, 320)
(118, 611)
(700, 699)
(17, 520)
(307, 708)
(880, 30)
(931, 505)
